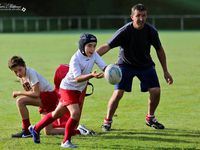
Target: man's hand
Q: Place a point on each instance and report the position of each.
(168, 78)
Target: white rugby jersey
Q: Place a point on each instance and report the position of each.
(32, 77)
(80, 65)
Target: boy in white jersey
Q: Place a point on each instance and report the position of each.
(71, 87)
(38, 92)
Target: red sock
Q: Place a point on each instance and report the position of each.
(44, 122)
(76, 132)
(70, 129)
(107, 121)
(149, 117)
(25, 124)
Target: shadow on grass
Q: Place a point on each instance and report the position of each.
(165, 132)
(167, 136)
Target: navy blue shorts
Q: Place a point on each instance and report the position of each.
(148, 78)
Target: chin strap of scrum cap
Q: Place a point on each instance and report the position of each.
(92, 89)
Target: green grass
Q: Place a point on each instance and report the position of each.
(179, 108)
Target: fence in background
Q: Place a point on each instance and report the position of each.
(38, 24)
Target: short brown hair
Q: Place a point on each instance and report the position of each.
(139, 7)
(16, 61)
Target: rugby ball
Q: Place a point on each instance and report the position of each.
(113, 74)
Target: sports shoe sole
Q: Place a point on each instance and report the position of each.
(154, 126)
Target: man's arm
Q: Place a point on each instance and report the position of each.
(103, 49)
(162, 58)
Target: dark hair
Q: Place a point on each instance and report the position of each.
(16, 61)
(84, 39)
(139, 7)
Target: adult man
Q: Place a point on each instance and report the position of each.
(135, 39)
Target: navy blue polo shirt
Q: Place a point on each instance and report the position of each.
(135, 45)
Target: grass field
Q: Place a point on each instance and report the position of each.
(179, 108)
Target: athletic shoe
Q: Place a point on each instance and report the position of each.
(22, 134)
(106, 125)
(84, 131)
(68, 144)
(36, 136)
(152, 122)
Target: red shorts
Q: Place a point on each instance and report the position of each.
(68, 97)
(60, 122)
(49, 101)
